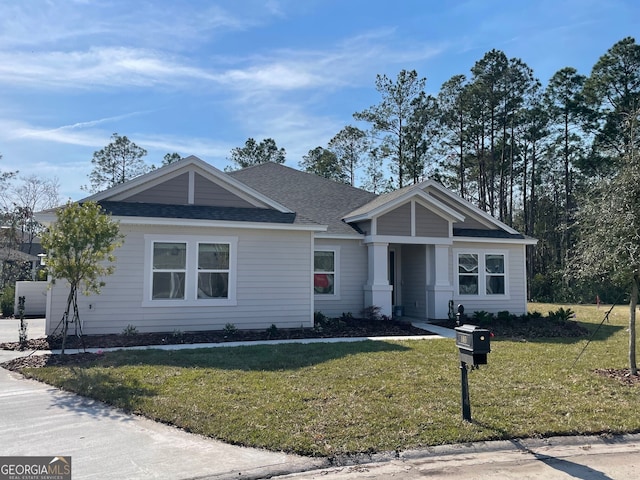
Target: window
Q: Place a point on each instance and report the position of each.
(185, 271)
(213, 270)
(494, 269)
(481, 273)
(324, 273)
(169, 270)
(468, 273)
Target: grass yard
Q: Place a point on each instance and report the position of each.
(331, 399)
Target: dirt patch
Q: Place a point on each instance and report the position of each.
(623, 375)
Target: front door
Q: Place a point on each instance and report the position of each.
(394, 277)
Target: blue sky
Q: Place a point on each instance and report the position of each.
(200, 77)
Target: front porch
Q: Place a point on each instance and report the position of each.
(414, 276)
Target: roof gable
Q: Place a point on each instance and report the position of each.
(189, 181)
(390, 201)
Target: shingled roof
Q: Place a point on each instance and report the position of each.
(319, 199)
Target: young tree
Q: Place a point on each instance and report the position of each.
(254, 153)
(116, 163)
(609, 222)
(391, 116)
(80, 246)
(324, 163)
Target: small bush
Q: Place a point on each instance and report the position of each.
(534, 315)
(272, 331)
(129, 331)
(178, 335)
(481, 316)
(372, 313)
(562, 315)
(230, 330)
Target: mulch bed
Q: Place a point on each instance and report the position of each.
(527, 328)
(337, 328)
(328, 329)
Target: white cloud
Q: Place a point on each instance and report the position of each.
(94, 68)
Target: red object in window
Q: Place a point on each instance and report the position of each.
(320, 280)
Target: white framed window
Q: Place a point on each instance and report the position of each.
(189, 271)
(213, 270)
(169, 270)
(481, 273)
(326, 278)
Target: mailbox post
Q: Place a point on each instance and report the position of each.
(474, 343)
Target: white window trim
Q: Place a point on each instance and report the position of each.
(482, 274)
(191, 279)
(336, 275)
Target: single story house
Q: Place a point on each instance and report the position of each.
(272, 245)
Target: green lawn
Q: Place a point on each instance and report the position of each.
(325, 399)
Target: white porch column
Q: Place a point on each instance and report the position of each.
(377, 291)
(442, 289)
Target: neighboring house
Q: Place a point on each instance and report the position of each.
(272, 245)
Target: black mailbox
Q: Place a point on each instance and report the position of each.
(474, 343)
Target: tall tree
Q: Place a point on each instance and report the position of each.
(391, 116)
(324, 163)
(116, 163)
(349, 145)
(489, 82)
(454, 107)
(565, 104)
(421, 134)
(254, 153)
(80, 246)
(613, 92)
(374, 180)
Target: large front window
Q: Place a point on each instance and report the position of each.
(481, 273)
(188, 271)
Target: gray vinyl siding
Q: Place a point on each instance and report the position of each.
(273, 287)
(395, 222)
(428, 224)
(414, 280)
(516, 300)
(174, 192)
(210, 193)
(353, 277)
